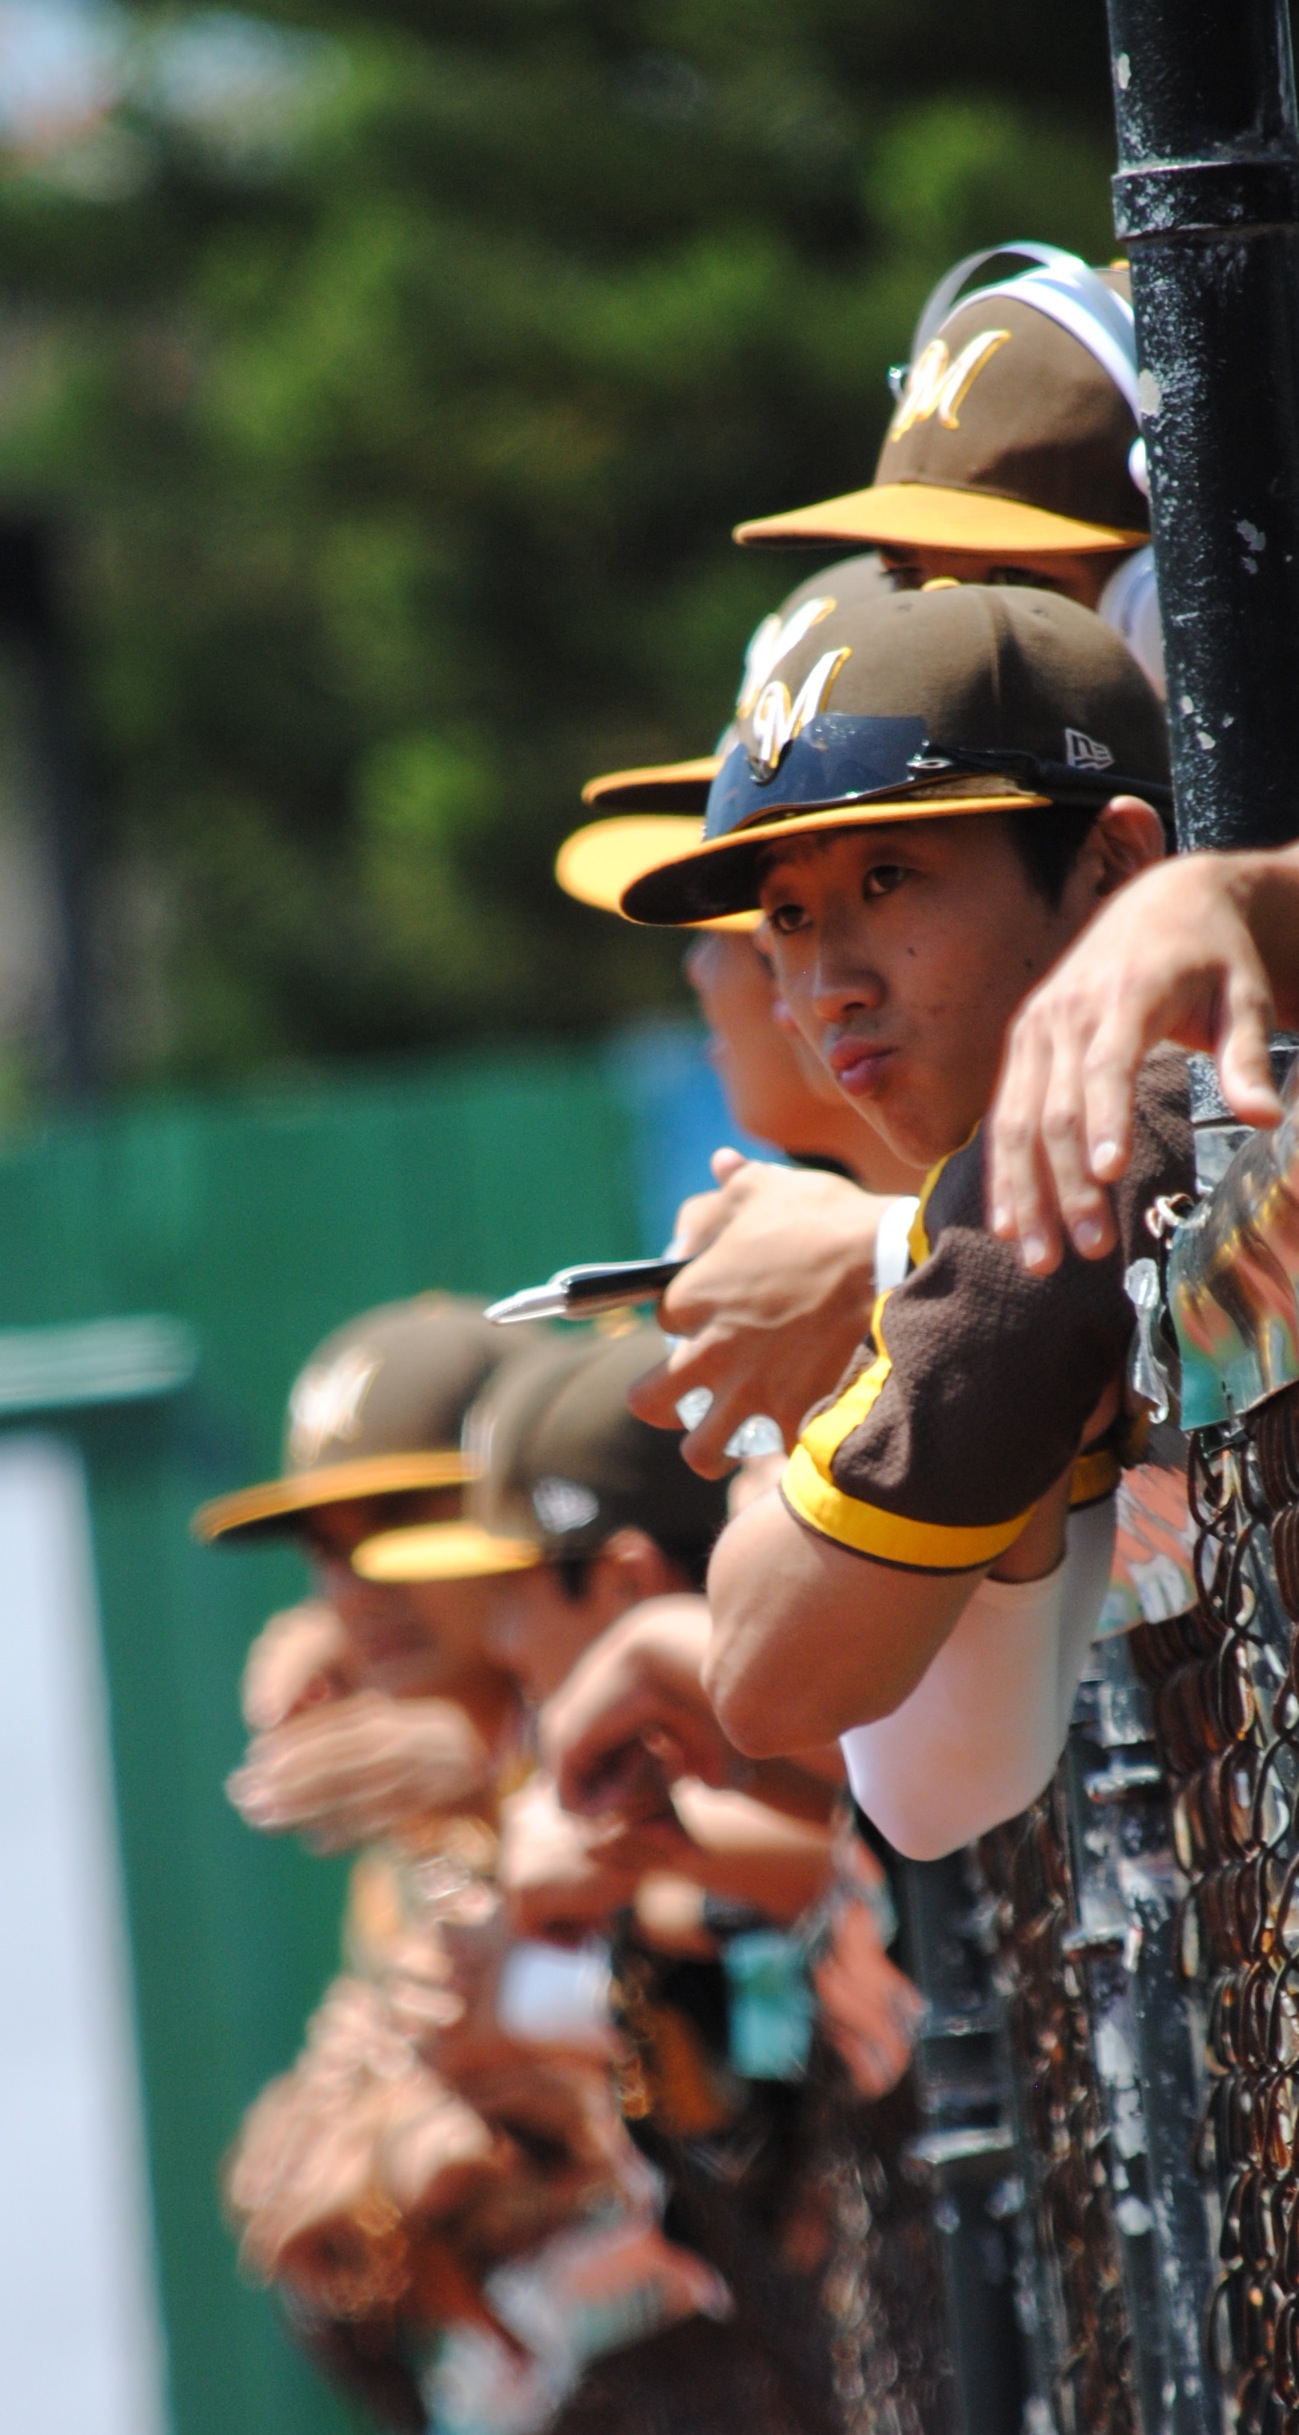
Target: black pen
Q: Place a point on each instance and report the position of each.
(579, 1293)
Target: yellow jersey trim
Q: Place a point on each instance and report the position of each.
(825, 1433)
(929, 1547)
(810, 1491)
(918, 1243)
(917, 1233)
(1094, 1476)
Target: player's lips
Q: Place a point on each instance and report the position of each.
(858, 1065)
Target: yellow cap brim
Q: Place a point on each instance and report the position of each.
(680, 786)
(923, 515)
(883, 812)
(597, 864)
(442, 1551)
(280, 1502)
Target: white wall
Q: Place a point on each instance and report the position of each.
(80, 2347)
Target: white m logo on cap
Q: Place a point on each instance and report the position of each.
(777, 720)
(327, 1403)
(937, 383)
(772, 641)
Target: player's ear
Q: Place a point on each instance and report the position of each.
(1127, 837)
(642, 1569)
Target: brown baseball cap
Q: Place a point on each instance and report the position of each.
(663, 786)
(917, 706)
(598, 863)
(651, 808)
(1015, 430)
(564, 1464)
(379, 1409)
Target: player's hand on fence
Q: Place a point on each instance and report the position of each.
(299, 1658)
(869, 2009)
(358, 1768)
(561, 1880)
(1170, 957)
(633, 1713)
(775, 1298)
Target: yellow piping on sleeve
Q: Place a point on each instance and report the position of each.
(810, 1492)
(1094, 1476)
(917, 1231)
(892, 1538)
(918, 1243)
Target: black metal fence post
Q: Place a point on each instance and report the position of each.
(1206, 201)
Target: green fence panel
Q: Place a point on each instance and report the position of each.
(261, 1222)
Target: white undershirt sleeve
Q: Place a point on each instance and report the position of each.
(981, 1735)
(891, 1249)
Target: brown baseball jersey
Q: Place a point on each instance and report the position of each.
(977, 1381)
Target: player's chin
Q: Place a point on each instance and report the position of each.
(911, 1117)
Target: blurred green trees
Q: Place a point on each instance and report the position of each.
(396, 404)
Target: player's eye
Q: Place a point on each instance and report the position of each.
(786, 919)
(883, 879)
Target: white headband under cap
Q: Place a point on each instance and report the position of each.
(1069, 292)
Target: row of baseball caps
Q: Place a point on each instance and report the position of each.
(526, 1438)
(1014, 450)
(1014, 442)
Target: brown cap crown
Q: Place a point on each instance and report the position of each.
(1010, 438)
(1005, 400)
(599, 862)
(378, 1409)
(982, 664)
(982, 667)
(395, 1379)
(565, 1464)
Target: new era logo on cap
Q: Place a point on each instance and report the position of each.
(563, 1505)
(1083, 752)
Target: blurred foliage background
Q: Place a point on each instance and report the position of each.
(393, 375)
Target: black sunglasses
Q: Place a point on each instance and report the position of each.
(838, 759)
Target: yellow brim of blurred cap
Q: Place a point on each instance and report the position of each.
(880, 813)
(599, 863)
(441, 1551)
(923, 515)
(664, 786)
(373, 1475)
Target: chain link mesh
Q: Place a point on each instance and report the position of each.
(1078, 2315)
(1226, 1710)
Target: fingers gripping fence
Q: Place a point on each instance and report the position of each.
(1145, 1912)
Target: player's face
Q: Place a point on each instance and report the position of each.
(773, 1088)
(1080, 575)
(536, 1631)
(413, 1639)
(902, 952)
